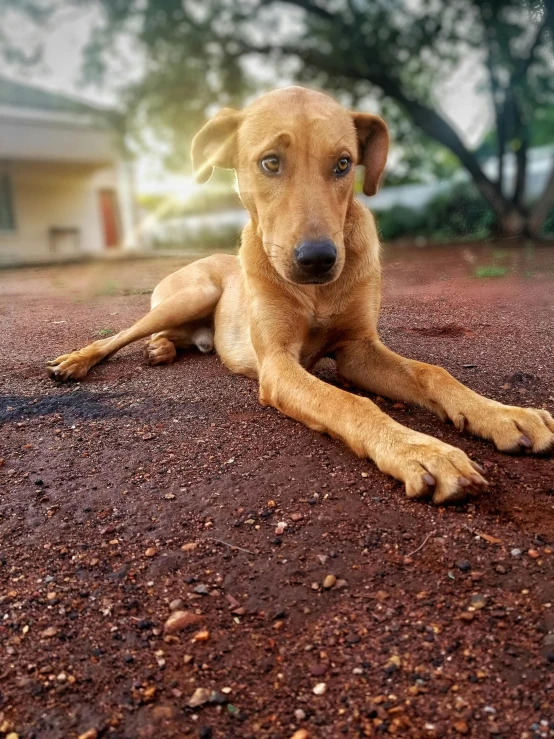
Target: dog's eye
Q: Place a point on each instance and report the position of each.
(342, 166)
(271, 164)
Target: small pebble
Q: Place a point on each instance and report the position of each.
(90, 734)
(151, 552)
(176, 605)
(463, 565)
(329, 581)
(299, 714)
(533, 554)
(190, 546)
(199, 697)
(461, 727)
(201, 589)
(515, 552)
(180, 620)
(49, 632)
(320, 689)
(500, 569)
(201, 636)
(478, 602)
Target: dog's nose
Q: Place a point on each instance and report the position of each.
(315, 258)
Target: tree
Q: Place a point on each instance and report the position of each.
(396, 51)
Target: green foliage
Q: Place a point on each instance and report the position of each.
(207, 239)
(394, 56)
(488, 271)
(400, 221)
(548, 226)
(458, 213)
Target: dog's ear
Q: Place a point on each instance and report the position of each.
(373, 147)
(215, 145)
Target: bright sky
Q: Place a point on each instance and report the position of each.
(60, 71)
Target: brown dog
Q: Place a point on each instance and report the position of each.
(306, 285)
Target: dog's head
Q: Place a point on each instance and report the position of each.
(294, 152)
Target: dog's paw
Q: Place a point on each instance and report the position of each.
(514, 429)
(160, 351)
(430, 468)
(72, 366)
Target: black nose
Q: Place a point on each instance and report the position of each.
(315, 258)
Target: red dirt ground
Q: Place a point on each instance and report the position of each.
(137, 461)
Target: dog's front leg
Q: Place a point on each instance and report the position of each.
(425, 465)
(371, 365)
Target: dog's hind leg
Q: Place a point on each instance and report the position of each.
(188, 304)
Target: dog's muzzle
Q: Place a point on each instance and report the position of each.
(315, 259)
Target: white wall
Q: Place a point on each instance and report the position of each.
(25, 135)
(49, 195)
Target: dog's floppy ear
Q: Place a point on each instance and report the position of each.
(215, 145)
(373, 147)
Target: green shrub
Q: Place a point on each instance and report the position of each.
(205, 239)
(399, 221)
(548, 227)
(459, 213)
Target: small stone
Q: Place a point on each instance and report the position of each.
(341, 584)
(321, 558)
(169, 496)
(467, 616)
(463, 565)
(533, 554)
(280, 530)
(176, 605)
(49, 632)
(501, 569)
(478, 602)
(187, 659)
(319, 670)
(201, 589)
(320, 689)
(151, 552)
(52, 598)
(461, 727)
(329, 581)
(201, 636)
(296, 517)
(190, 546)
(180, 620)
(199, 697)
(90, 734)
(300, 734)
(299, 714)
(62, 677)
(515, 552)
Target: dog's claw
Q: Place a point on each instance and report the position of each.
(429, 480)
(525, 441)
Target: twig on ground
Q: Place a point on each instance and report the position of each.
(232, 546)
(423, 543)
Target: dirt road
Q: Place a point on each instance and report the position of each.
(121, 495)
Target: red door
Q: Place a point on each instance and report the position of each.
(109, 210)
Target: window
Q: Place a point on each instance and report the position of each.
(7, 220)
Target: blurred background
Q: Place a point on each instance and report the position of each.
(99, 100)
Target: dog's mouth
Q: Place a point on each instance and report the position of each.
(313, 280)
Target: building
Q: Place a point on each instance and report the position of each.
(66, 191)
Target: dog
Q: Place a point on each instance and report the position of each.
(306, 285)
